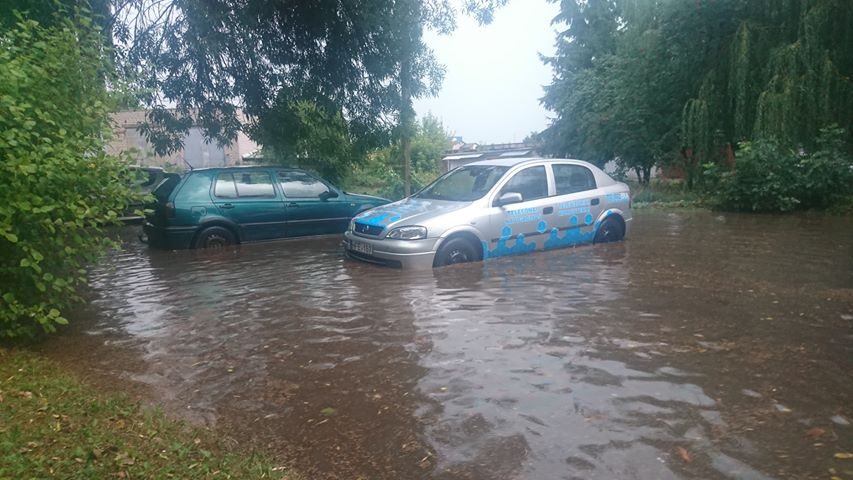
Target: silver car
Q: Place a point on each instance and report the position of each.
(491, 209)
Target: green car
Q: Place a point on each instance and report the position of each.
(217, 207)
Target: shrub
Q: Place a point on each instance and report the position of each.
(58, 188)
(771, 178)
(827, 175)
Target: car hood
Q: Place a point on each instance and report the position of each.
(409, 211)
(366, 198)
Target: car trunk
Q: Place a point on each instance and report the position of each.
(162, 207)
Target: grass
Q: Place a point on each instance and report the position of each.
(664, 193)
(53, 426)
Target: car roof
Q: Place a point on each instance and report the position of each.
(511, 162)
(246, 167)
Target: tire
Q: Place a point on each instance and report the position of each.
(610, 230)
(456, 250)
(215, 237)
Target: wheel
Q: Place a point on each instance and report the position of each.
(609, 231)
(456, 250)
(215, 237)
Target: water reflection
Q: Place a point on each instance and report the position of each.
(703, 347)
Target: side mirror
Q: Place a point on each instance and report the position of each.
(327, 195)
(509, 198)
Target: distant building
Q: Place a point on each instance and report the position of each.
(197, 152)
(464, 153)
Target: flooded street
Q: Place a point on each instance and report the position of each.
(705, 346)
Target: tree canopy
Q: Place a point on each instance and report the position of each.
(654, 81)
(195, 61)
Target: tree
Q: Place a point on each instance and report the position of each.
(382, 173)
(58, 188)
(362, 61)
(654, 82)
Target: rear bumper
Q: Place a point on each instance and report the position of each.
(406, 254)
(169, 238)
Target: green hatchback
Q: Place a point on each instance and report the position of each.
(217, 207)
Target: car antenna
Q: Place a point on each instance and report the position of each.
(190, 164)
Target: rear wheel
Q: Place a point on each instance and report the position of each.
(610, 230)
(215, 237)
(456, 250)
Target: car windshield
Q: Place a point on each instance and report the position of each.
(465, 184)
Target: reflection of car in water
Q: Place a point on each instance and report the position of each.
(143, 181)
(215, 207)
(494, 208)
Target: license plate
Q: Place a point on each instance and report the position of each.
(359, 247)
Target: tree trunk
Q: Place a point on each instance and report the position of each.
(407, 117)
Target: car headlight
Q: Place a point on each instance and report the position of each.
(352, 225)
(408, 233)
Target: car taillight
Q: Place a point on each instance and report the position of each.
(170, 210)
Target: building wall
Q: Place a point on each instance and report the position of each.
(197, 152)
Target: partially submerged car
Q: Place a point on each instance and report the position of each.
(491, 209)
(218, 207)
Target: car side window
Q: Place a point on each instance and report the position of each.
(572, 179)
(254, 184)
(300, 185)
(531, 183)
(225, 187)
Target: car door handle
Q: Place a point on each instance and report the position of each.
(226, 206)
(595, 201)
(548, 210)
(292, 204)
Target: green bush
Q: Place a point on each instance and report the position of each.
(826, 176)
(58, 188)
(771, 178)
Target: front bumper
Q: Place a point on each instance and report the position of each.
(169, 238)
(406, 254)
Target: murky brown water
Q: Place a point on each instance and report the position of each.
(705, 346)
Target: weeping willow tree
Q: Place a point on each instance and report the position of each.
(786, 74)
(669, 81)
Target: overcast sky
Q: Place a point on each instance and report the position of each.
(494, 75)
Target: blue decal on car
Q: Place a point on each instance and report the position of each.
(394, 212)
(502, 249)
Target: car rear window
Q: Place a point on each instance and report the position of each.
(573, 179)
(166, 187)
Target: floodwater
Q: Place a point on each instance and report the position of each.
(706, 346)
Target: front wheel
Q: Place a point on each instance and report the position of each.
(456, 250)
(215, 237)
(609, 231)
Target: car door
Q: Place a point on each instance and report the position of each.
(577, 205)
(249, 199)
(521, 227)
(313, 207)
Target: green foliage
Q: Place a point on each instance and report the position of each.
(57, 186)
(381, 174)
(55, 427)
(303, 134)
(643, 81)
(771, 178)
(765, 179)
